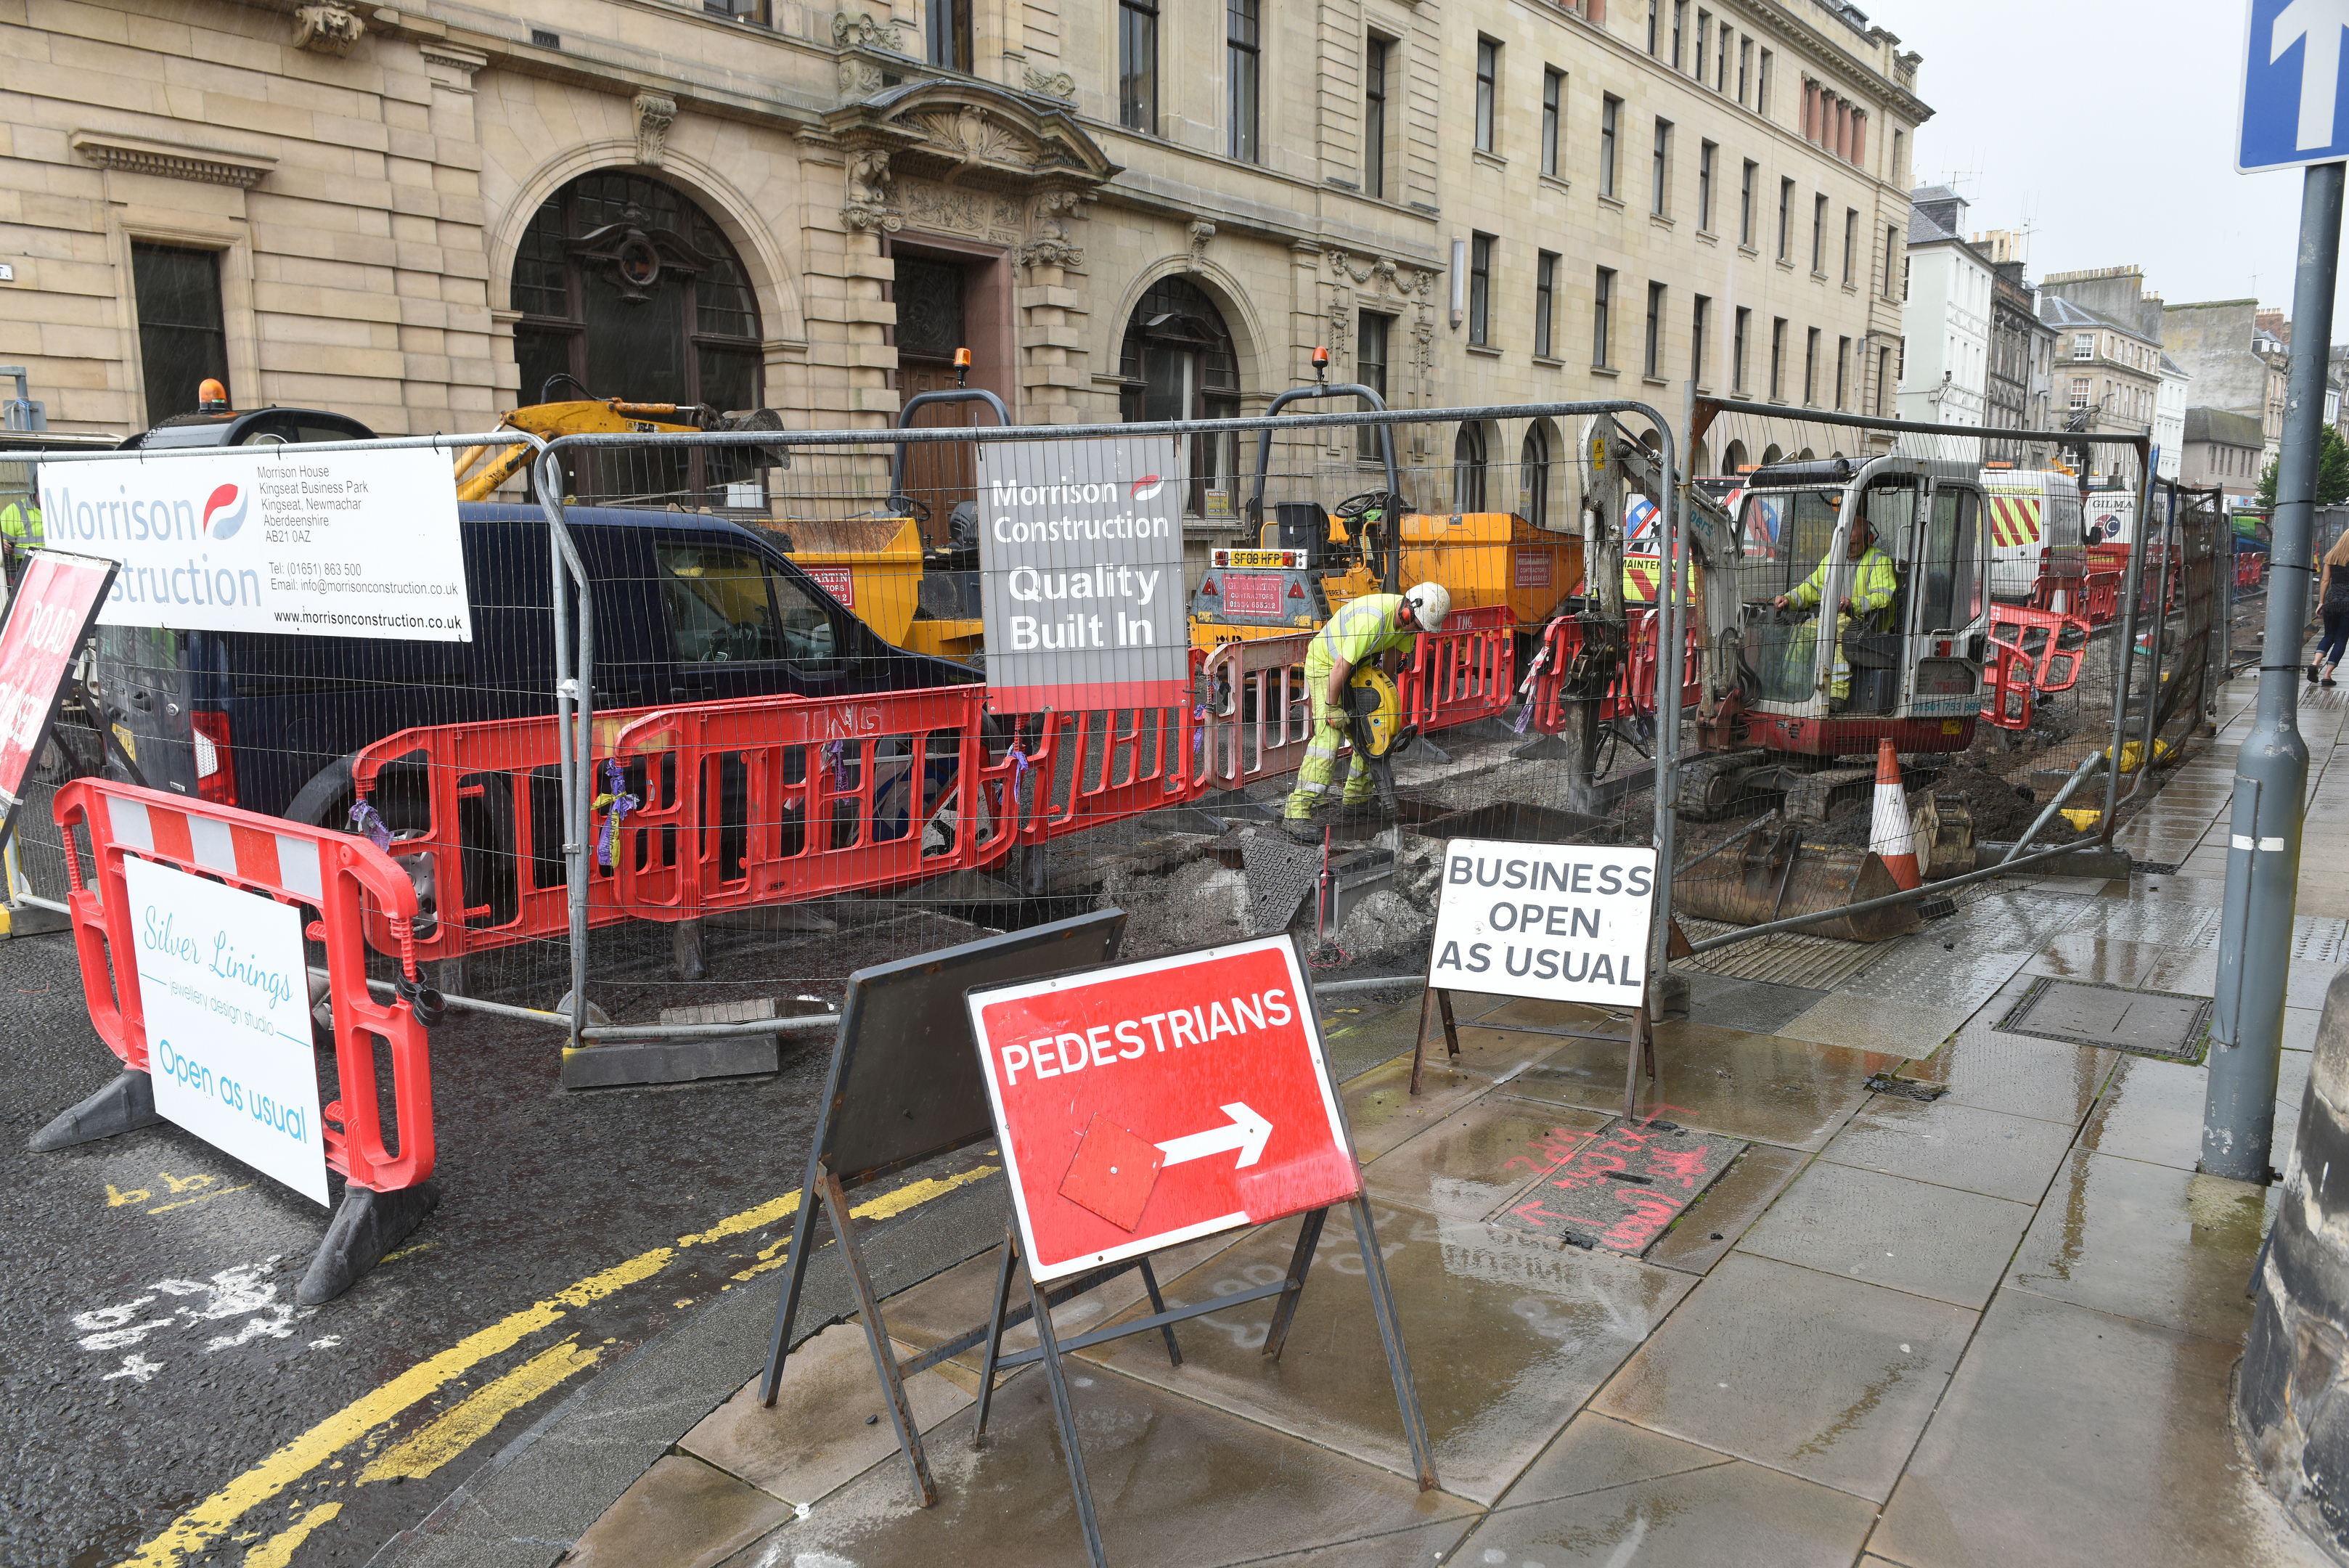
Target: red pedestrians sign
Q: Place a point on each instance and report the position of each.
(50, 617)
(1148, 1104)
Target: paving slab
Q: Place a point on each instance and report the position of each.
(2171, 1248)
(2048, 1080)
(816, 1438)
(1829, 1379)
(1471, 1162)
(1873, 1024)
(1381, 1111)
(1906, 1235)
(1669, 1501)
(1765, 1088)
(1714, 1224)
(2093, 957)
(1175, 1484)
(1951, 1144)
(2151, 1110)
(1508, 1335)
(681, 1513)
(2070, 1437)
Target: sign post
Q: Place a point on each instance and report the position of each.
(48, 620)
(1559, 923)
(2291, 117)
(1154, 1103)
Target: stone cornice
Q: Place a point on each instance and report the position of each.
(1814, 46)
(174, 160)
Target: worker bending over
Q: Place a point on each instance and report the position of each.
(1868, 604)
(1366, 629)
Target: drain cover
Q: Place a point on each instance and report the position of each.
(2142, 1022)
(1281, 876)
(1619, 1187)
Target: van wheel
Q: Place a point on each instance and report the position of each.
(325, 801)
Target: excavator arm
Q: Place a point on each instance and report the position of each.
(478, 478)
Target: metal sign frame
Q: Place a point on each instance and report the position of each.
(21, 607)
(905, 1035)
(1289, 1288)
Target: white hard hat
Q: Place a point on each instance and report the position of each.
(1429, 603)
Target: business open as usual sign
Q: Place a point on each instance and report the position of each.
(1568, 922)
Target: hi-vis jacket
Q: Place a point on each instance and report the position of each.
(1872, 584)
(1360, 632)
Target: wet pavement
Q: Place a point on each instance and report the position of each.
(1996, 1326)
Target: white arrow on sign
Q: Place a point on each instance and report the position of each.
(1247, 1134)
(2320, 23)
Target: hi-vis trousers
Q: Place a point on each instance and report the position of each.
(1313, 779)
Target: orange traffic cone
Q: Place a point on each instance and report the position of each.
(1891, 834)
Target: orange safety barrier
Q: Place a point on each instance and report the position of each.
(346, 879)
(1466, 673)
(2248, 565)
(1092, 768)
(1567, 666)
(2100, 596)
(2034, 653)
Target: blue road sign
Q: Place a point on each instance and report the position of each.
(2293, 99)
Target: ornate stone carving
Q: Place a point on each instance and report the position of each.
(859, 77)
(654, 114)
(1052, 246)
(971, 135)
(327, 30)
(206, 166)
(1201, 232)
(858, 30)
(1344, 266)
(867, 191)
(1341, 311)
(452, 66)
(1050, 84)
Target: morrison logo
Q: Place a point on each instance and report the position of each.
(1147, 487)
(219, 523)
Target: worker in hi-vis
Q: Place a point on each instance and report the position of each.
(1366, 629)
(1867, 605)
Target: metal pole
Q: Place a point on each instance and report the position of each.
(2125, 650)
(1671, 672)
(2271, 768)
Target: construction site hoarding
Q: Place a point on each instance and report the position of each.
(1081, 563)
(359, 544)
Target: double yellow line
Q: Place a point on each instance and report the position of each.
(204, 1525)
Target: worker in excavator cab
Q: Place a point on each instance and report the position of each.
(1868, 605)
(1365, 629)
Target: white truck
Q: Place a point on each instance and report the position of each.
(2035, 527)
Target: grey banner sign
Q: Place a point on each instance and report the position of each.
(1081, 562)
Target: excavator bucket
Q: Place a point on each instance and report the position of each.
(1776, 875)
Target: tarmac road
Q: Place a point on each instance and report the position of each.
(167, 1402)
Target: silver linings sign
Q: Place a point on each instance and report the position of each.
(1081, 562)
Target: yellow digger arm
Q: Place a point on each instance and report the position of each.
(548, 420)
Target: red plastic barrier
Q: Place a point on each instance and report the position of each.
(2051, 644)
(2248, 565)
(2008, 699)
(343, 877)
(2100, 596)
(1466, 673)
(1565, 667)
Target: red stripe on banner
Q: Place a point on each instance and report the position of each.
(171, 830)
(1075, 697)
(257, 854)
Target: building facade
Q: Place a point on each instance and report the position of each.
(2108, 379)
(2233, 362)
(1946, 314)
(2019, 390)
(423, 216)
(2223, 449)
(2169, 419)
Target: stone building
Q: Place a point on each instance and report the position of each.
(2223, 449)
(2019, 388)
(2233, 361)
(2107, 358)
(421, 216)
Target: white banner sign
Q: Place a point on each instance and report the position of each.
(1566, 922)
(227, 998)
(276, 539)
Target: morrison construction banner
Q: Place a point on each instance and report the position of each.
(273, 539)
(1081, 565)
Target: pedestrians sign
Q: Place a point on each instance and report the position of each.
(1144, 1105)
(2292, 102)
(46, 627)
(1568, 922)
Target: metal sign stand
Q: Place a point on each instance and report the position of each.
(1050, 1351)
(1639, 1043)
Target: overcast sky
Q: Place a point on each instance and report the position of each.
(2108, 132)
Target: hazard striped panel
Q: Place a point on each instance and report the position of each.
(2014, 519)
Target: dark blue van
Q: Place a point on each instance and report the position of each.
(688, 607)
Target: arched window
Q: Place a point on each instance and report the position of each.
(1468, 470)
(1533, 476)
(627, 290)
(1178, 363)
(1771, 454)
(1734, 459)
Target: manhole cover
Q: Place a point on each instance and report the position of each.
(1281, 876)
(2142, 1022)
(1621, 1187)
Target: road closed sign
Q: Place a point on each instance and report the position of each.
(1152, 1103)
(226, 994)
(1568, 922)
